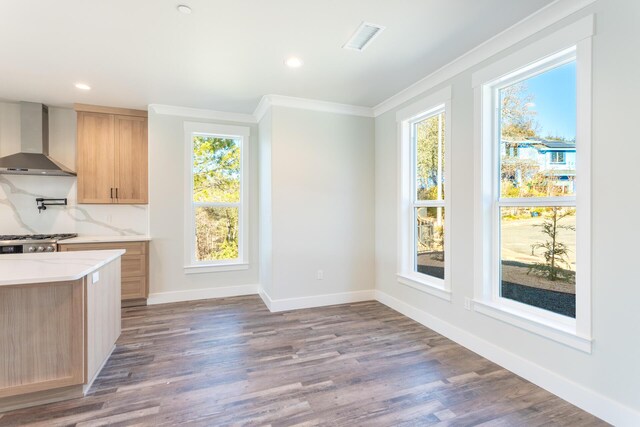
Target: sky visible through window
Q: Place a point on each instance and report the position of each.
(554, 94)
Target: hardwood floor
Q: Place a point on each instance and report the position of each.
(231, 362)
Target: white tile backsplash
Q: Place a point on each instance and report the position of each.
(19, 215)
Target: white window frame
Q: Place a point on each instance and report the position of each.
(573, 41)
(558, 162)
(436, 103)
(240, 133)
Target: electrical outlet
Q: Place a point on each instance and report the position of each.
(95, 277)
(320, 275)
(467, 303)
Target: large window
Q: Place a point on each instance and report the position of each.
(536, 204)
(428, 203)
(217, 191)
(424, 211)
(533, 212)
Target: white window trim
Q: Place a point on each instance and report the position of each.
(191, 265)
(438, 101)
(576, 332)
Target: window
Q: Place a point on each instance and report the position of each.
(536, 209)
(533, 209)
(558, 157)
(428, 204)
(216, 217)
(424, 211)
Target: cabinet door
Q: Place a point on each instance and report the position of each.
(42, 338)
(96, 158)
(134, 288)
(135, 265)
(131, 159)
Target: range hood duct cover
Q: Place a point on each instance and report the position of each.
(33, 158)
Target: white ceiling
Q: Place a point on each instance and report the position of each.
(227, 54)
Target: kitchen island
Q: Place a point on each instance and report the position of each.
(59, 321)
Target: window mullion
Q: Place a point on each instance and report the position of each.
(216, 204)
(536, 201)
(429, 204)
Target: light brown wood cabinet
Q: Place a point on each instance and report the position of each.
(112, 162)
(135, 267)
(56, 336)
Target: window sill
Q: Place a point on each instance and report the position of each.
(215, 268)
(543, 327)
(425, 287)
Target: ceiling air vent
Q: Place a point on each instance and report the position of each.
(363, 36)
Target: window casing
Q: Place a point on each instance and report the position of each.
(492, 201)
(424, 208)
(216, 202)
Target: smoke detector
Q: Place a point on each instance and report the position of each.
(363, 36)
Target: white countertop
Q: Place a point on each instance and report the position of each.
(105, 239)
(20, 269)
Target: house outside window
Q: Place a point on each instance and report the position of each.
(424, 217)
(533, 198)
(216, 214)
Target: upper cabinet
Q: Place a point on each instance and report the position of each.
(112, 155)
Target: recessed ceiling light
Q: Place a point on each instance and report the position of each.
(294, 62)
(183, 8)
(83, 86)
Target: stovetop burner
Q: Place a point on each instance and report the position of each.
(20, 237)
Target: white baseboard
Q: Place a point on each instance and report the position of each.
(597, 404)
(197, 294)
(285, 304)
(265, 298)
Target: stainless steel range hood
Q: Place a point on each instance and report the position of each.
(33, 158)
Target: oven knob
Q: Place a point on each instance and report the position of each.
(40, 249)
(49, 249)
(32, 248)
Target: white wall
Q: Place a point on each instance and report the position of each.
(18, 213)
(321, 202)
(166, 217)
(613, 369)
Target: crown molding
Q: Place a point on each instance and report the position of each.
(265, 103)
(198, 113)
(539, 20)
(527, 27)
(268, 101)
(262, 108)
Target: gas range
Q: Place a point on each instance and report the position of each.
(30, 243)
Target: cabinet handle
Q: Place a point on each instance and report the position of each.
(112, 192)
(116, 192)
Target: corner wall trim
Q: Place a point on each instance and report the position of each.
(262, 108)
(199, 294)
(597, 404)
(285, 304)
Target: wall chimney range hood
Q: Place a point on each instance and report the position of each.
(33, 158)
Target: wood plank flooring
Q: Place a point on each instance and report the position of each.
(232, 362)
